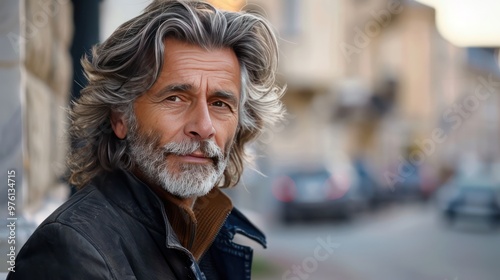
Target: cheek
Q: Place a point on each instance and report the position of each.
(227, 134)
(167, 129)
(228, 146)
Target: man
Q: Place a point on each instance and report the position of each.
(173, 97)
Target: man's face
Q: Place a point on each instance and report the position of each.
(187, 121)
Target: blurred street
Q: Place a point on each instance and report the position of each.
(392, 128)
(400, 242)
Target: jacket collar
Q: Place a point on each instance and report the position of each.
(238, 223)
(134, 197)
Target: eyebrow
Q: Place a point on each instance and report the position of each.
(228, 96)
(174, 88)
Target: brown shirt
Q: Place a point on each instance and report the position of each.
(197, 227)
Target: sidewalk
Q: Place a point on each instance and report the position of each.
(274, 266)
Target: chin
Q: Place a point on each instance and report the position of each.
(187, 190)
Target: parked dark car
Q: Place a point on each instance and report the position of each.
(318, 193)
(473, 197)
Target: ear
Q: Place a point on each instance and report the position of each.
(119, 125)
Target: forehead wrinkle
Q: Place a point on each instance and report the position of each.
(213, 70)
(204, 65)
(214, 78)
(195, 58)
(218, 79)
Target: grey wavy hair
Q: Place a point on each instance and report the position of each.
(128, 63)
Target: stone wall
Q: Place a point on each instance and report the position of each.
(35, 73)
(48, 25)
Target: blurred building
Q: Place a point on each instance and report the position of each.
(376, 79)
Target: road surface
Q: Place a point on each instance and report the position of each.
(401, 242)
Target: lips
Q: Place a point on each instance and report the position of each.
(196, 157)
(203, 153)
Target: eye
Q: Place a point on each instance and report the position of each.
(219, 104)
(173, 98)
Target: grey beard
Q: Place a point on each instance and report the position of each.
(190, 179)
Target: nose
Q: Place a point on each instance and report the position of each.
(199, 124)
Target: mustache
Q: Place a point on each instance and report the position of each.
(207, 147)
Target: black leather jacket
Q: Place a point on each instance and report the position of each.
(116, 228)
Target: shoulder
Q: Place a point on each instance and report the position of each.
(83, 207)
(68, 241)
(59, 251)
